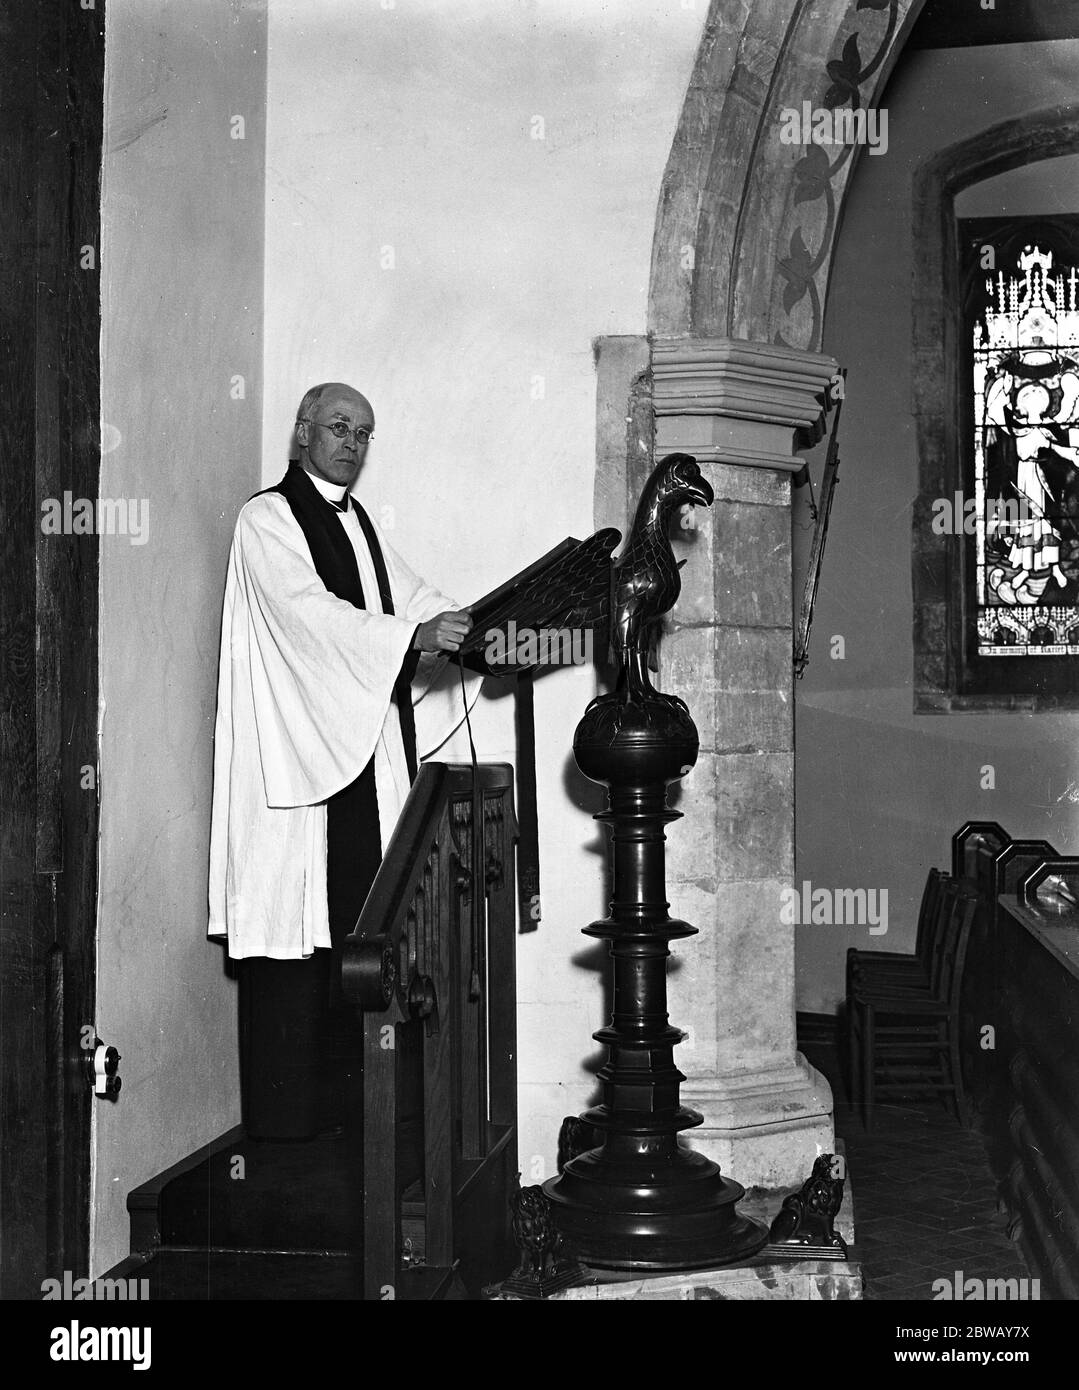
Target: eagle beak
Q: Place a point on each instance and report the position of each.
(702, 493)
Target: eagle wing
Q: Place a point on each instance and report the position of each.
(570, 587)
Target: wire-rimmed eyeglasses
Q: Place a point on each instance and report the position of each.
(340, 430)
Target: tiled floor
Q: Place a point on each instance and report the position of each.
(925, 1198)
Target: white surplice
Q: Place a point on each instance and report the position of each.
(304, 701)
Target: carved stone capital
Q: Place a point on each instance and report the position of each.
(728, 401)
(745, 381)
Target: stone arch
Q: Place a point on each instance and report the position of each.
(742, 252)
(746, 224)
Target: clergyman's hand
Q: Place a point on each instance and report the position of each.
(443, 633)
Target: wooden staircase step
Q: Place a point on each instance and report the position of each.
(187, 1275)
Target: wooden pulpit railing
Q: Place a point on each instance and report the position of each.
(433, 972)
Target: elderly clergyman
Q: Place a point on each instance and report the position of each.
(315, 749)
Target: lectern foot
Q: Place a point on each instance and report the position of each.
(681, 1214)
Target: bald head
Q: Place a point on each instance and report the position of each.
(331, 406)
(314, 395)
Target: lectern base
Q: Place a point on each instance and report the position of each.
(669, 1215)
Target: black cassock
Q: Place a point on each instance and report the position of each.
(301, 1048)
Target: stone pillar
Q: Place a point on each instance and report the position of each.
(741, 408)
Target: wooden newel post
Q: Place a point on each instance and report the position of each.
(640, 1201)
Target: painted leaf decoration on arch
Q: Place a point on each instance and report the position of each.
(811, 175)
(797, 270)
(845, 73)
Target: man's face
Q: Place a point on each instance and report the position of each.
(322, 453)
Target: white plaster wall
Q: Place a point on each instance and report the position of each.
(182, 215)
(880, 790)
(405, 130)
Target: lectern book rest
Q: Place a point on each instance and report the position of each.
(556, 601)
(568, 589)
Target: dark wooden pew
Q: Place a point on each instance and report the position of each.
(993, 863)
(1021, 1039)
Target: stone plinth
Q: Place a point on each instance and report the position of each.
(813, 1281)
(743, 409)
(761, 1279)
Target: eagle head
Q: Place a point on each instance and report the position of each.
(682, 481)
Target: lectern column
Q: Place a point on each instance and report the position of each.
(640, 1200)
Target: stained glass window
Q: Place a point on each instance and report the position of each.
(1023, 319)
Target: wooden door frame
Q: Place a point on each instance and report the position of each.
(51, 102)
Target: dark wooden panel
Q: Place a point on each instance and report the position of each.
(483, 1223)
(382, 1218)
(985, 1069)
(1028, 1115)
(502, 973)
(50, 126)
(472, 1101)
(438, 1076)
(22, 952)
(68, 572)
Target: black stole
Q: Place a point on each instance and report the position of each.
(354, 810)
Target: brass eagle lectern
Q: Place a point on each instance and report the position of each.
(638, 1200)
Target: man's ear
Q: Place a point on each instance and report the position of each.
(303, 432)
